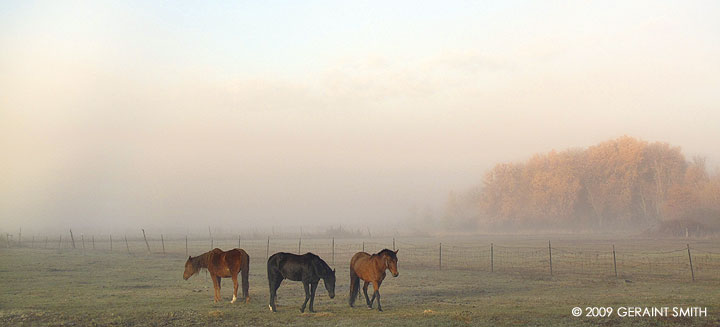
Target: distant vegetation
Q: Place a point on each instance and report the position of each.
(624, 183)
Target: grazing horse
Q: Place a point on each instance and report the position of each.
(222, 264)
(308, 268)
(371, 269)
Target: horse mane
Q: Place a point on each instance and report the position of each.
(201, 261)
(388, 252)
(320, 265)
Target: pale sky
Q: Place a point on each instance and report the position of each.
(311, 113)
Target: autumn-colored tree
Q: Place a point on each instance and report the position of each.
(623, 182)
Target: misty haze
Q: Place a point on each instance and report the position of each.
(153, 130)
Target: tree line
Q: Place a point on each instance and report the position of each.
(621, 183)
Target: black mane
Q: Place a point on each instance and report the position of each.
(387, 252)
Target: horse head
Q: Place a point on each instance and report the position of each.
(391, 261)
(189, 269)
(329, 281)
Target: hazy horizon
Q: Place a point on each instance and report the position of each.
(179, 114)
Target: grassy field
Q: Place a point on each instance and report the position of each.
(97, 288)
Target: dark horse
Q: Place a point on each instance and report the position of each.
(371, 269)
(307, 268)
(222, 264)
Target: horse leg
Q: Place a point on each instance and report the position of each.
(313, 287)
(235, 288)
(306, 285)
(376, 286)
(367, 299)
(216, 286)
(274, 285)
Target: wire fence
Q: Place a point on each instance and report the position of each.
(577, 258)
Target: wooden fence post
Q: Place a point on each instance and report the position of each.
(333, 251)
(162, 240)
(394, 244)
(93, 241)
(82, 238)
(550, 252)
(110, 242)
(72, 238)
(363, 246)
(146, 242)
(238, 241)
(692, 271)
(440, 258)
(492, 259)
(299, 244)
(127, 245)
(267, 250)
(20, 238)
(614, 261)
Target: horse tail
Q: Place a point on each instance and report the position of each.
(354, 286)
(245, 271)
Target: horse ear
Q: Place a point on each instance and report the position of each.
(396, 251)
(333, 271)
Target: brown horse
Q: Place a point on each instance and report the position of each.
(222, 264)
(371, 269)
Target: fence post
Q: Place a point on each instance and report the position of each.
(492, 259)
(60, 242)
(440, 257)
(267, 249)
(82, 238)
(110, 242)
(299, 244)
(146, 242)
(550, 252)
(93, 241)
(393, 244)
(692, 271)
(7, 240)
(614, 261)
(72, 238)
(238, 241)
(126, 245)
(363, 246)
(20, 238)
(186, 247)
(46, 239)
(162, 240)
(333, 251)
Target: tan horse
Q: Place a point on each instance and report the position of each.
(221, 264)
(371, 269)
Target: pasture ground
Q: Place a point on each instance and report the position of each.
(70, 288)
